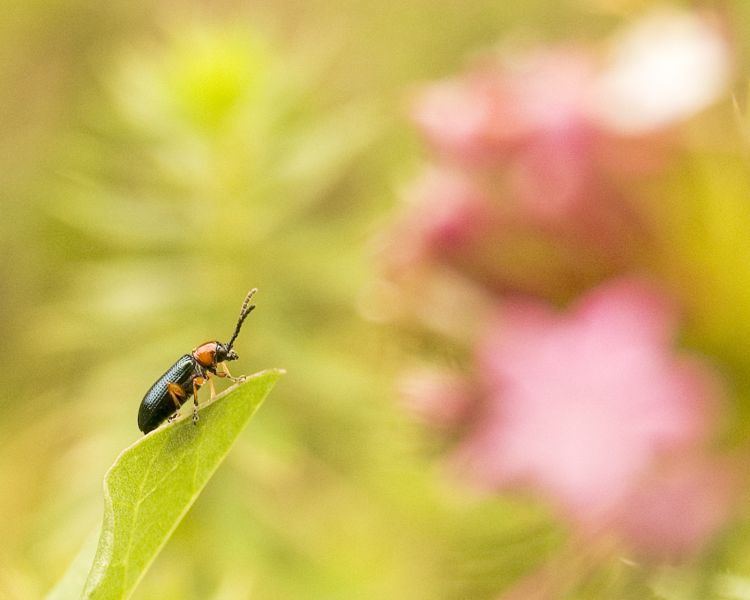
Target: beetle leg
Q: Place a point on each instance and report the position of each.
(228, 375)
(213, 389)
(177, 394)
(171, 418)
(197, 383)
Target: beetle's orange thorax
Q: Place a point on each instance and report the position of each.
(205, 354)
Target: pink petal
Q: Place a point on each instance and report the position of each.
(581, 405)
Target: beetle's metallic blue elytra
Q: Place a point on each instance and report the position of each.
(154, 409)
(184, 378)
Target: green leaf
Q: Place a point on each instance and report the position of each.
(153, 483)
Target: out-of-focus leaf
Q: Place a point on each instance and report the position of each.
(152, 485)
(72, 582)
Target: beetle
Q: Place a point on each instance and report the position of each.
(185, 377)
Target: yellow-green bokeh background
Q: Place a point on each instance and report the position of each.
(158, 159)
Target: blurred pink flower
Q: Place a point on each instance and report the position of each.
(582, 407)
(562, 125)
(496, 109)
(528, 117)
(521, 197)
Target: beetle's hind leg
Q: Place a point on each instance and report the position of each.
(178, 397)
(197, 383)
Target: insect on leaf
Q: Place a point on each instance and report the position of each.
(153, 483)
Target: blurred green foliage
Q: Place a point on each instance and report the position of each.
(158, 160)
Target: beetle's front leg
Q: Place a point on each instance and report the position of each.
(228, 375)
(197, 383)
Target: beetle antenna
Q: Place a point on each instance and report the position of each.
(246, 309)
